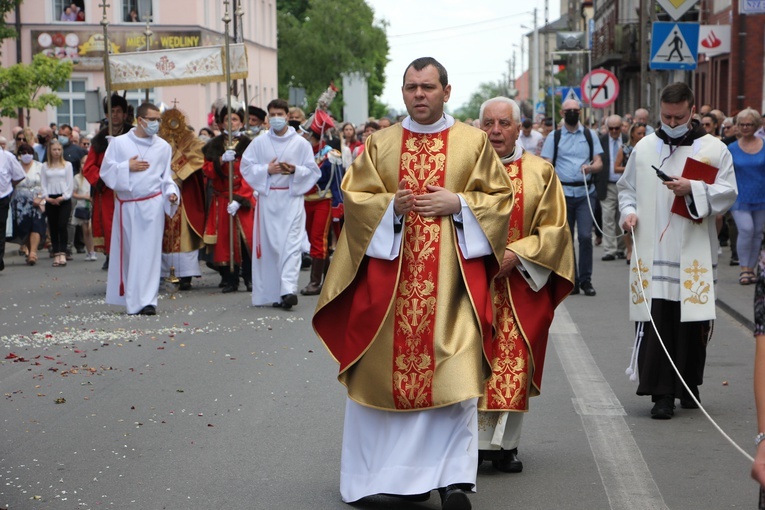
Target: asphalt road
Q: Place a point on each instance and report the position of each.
(216, 404)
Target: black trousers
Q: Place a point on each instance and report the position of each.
(686, 343)
(5, 205)
(58, 223)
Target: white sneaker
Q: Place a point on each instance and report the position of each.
(90, 257)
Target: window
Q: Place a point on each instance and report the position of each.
(68, 10)
(136, 97)
(72, 109)
(136, 10)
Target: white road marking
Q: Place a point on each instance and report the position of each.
(627, 481)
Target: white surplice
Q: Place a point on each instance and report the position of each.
(280, 215)
(139, 221)
(412, 452)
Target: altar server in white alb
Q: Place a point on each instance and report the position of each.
(137, 167)
(676, 182)
(280, 166)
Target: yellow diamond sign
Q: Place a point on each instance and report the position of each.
(676, 8)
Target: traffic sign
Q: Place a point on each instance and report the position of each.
(676, 8)
(674, 45)
(600, 88)
(571, 93)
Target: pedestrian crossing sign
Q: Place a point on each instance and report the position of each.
(571, 93)
(674, 46)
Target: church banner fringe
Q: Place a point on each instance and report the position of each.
(182, 66)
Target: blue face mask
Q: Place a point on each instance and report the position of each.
(278, 123)
(674, 132)
(63, 140)
(152, 127)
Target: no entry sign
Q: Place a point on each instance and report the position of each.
(600, 88)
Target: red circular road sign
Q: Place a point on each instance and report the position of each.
(600, 88)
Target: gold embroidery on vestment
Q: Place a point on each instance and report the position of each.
(699, 288)
(635, 285)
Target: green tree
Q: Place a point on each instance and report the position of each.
(23, 85)
(6, 6)
(320, 40)
(485, 91)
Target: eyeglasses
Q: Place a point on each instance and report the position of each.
(572, 111)
(745, 125)
(614, 128)
(726, 127)
(706, 124)
(20, 139)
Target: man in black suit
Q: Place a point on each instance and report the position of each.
(605, 185)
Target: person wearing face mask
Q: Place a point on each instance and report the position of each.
(240, 205)
(29, 223)
(675, 254)
(575, 150)
(73, 153)
(280, 166)
(136, 167)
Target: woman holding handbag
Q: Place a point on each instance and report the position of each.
(57, 186)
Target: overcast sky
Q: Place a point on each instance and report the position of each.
(473, 39)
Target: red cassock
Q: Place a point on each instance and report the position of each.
(217, 225)
(103, 201)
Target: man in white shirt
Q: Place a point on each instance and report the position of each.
(530, 139)
(11, 174)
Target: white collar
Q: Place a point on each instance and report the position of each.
(513, 156)
(445, 122)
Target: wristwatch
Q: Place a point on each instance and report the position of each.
(759, 438)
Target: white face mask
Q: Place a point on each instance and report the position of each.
(278, 123)
(26, 158)
(674, 132)
(152, 127)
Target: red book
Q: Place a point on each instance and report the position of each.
(693, 170)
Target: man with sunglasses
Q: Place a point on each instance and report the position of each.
(574, 151)
(605, 183)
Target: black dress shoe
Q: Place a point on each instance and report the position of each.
(608, 256)
(588, 289)
(454, 498)
(230, 288)
(148, 310)
(105, 267)
(509, 463)
(621, 255)
(289, 300)
(663, 408)
(575, 290)
(185, 283)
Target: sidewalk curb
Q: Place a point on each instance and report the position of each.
(735, 314)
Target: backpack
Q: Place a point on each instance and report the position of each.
(556, 140)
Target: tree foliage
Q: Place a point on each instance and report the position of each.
(485, 91)
(6, 6)
(320, 40)
(22, 85)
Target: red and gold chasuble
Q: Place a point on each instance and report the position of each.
(422, 164)
(508, 386)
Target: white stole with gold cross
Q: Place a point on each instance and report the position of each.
(697, 256)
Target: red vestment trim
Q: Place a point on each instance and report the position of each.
(423, 163)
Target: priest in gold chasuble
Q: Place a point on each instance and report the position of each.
(406, 308)
(537, 273)
(184, 232)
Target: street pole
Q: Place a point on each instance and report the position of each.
(227, 20)
(535, 77)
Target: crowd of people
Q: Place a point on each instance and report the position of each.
(498, 230)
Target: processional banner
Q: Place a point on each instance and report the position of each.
(183, 66)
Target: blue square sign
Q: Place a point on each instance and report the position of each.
(674, 46)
